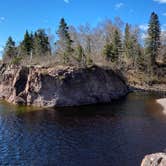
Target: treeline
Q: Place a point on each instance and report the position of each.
(36, 44)
(110, 43)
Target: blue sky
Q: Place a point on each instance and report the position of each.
(18, 15)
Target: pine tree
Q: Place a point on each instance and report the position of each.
(117, 44)
(127, 42)
(80, 56)
(109, 52)
(65, 42)
(41, 44)
(153, 40)
(137, 58)
(9, 50)
(26, 45)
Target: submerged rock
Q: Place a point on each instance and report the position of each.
(158, 159)
(61, 86)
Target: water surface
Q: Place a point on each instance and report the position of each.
(117, 134)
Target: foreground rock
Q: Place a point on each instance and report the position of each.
(50, 87)
(158, 159)
(162, 102)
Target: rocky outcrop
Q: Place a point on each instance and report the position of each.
(158, 159)
(60, 86)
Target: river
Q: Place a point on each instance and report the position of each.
(117, 134)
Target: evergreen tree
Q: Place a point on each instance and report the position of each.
(80, 56)
(9, 50)
(153, 40)
(65, 42)
(112, 51)
(138, 59)
(127, 42)
(26, 46)
(117, 44)
(109, 52)
(41, 44)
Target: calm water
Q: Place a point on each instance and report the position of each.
(117, 134)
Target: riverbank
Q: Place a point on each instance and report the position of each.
(142, 81)
(157, 88)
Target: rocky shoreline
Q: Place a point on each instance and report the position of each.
(160, 88)
(59, 86)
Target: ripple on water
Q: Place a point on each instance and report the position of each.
(117, 134)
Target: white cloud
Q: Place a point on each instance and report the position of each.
(2, 19)
(1, 51)
(67, 1)
(164, 14)
(119, 5)
(144, 36)
(163, 27)
(160, 1)
(143, 27)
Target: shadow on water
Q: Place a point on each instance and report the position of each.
(117, 134)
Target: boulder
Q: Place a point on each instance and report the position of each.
(158, 159)
(65, 86)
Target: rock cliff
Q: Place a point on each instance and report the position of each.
(60, 86)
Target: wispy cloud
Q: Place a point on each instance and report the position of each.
(160, 1)
(163, 27)
(164, 14)
(143, 27)
(119, 5)
(2, 19)
(67, 1)
(144, 36)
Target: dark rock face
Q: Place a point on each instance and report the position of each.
(50, 87)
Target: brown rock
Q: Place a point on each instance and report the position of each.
(50, 87)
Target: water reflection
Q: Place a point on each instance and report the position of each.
(116, 134)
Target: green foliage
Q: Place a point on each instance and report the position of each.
(153, 41)
(124, 51)
(128, 42)
(109, 52)
(89, 61)
(10, 50)
(132, 48)
(65, 42)
(112, 51)
(80, 56)
(117, 44)
(26, 45)
(16, 60)
(41, 44)
(35, 44)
